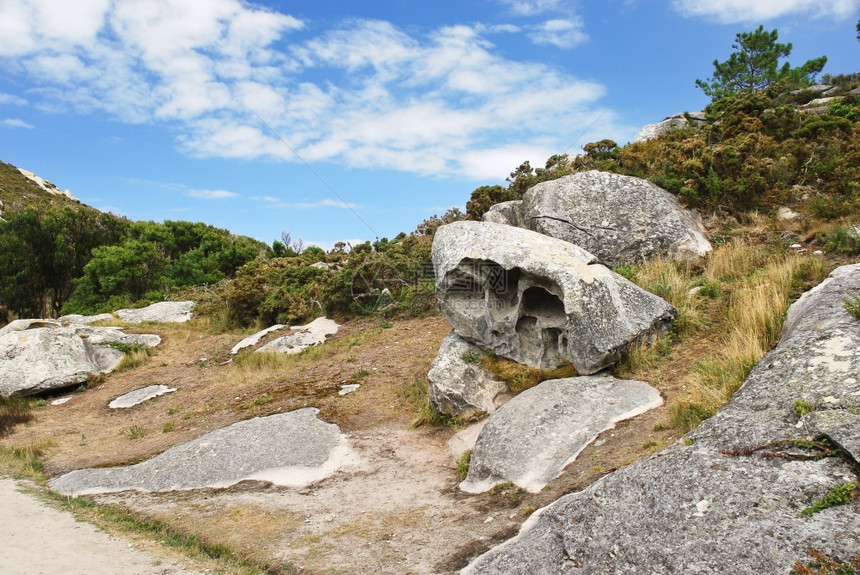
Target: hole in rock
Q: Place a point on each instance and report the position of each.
(544, 306)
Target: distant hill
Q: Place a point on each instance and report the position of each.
(18, 192)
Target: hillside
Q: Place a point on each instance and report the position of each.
(778, 191)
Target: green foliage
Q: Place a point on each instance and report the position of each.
(844, 240)
(463, 465)
(471, 356)
(485, 197)
(386, 278)
(755, 66)
(842, 495)
(429, 226)
(851, 303)
(156, 258)
(802, 407)
(42, 251)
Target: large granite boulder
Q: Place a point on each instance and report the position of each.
(533, 437)
(290, 449)
(619, 219)
(38, 355)
(538, 300)
(731, 496)
(458, 385)
(676, 122)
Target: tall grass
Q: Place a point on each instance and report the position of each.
(674, 282)
(760, 288)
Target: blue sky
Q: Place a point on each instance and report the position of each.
(346, 121)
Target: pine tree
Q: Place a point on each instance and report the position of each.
(755, 66)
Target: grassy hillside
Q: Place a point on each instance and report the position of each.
(18, 193)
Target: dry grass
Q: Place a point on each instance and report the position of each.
(519, 377)
(760, 289)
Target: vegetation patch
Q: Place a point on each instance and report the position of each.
(851, 303)
(519, 377)
(13, 411)
(842, 495)
(463, 465)
(824, 565)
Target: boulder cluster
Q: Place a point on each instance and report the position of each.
(530, 284)
(758, 488)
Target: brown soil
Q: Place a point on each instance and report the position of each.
(399, 511)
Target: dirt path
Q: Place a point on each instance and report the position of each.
(36, 539)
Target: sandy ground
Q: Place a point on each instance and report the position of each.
(36, 539)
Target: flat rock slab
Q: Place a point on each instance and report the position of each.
(533, 437)
(288, 449)
(78, 319)
(253, 340)
(305, 336)
(161, 312)
(138, 396)
(729, 497)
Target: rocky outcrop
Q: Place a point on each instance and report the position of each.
(733, 493)
(539, 300)
(533, 437)
(303, 336)
(290, 449)
(46, 185)
(38, 355)
(458, 385)
(676, 122)
(161, 312)
(619, 219)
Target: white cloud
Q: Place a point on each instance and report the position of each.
(532, 7)
(12, 99)
(366, 94)
(564, 33)
(15, 123)
(212, 194)
(272, 202)
(757, 10)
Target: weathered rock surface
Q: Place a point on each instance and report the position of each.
(731, 498)
(138, 396)
(676, 122)
(539, 300)
(617, 218)
(161, 312)
(508, 213)
(457, 386)
(78, 319)
(254, 339)
(37, 355)
(290, 449)
(305, 336)
(533, 437)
